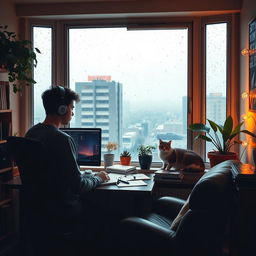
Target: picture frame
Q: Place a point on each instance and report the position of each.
(252, 65)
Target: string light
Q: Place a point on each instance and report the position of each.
(249, 52)
(245, 95)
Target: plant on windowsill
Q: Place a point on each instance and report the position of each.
(109, 156)
(17, 58)
(222, 139)
(125, 158)
(145, 156)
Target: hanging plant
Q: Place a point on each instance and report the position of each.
(17, 58)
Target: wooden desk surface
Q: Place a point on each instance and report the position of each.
(15, 183)
(135, 190)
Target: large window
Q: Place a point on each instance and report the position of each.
(139, 85)
(132, 83)
(42, 39)
(216, 74)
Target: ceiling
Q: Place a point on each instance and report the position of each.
(63, 1)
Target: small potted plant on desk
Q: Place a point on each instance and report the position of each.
(145, 156)
(125, 158)
(222, 145)
(109, 156)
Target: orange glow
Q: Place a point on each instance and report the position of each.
(245, 95)
(246, 52)
(247, 169)
(245, 143)
(86, 152)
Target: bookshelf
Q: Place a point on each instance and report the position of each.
(7, 208)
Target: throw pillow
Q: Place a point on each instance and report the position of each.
(178, 218)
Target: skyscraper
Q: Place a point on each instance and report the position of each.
(216, 107)
(101, 106)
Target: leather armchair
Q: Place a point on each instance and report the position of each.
(202, 229)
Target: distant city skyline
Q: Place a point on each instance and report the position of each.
(152, 66)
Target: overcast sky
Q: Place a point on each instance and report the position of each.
(151, 64)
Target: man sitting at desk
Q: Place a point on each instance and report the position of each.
(65, 181)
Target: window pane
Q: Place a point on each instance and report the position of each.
(216, 74)
(132, 83)
(42, 39)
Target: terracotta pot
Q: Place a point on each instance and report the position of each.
(125, 160)
(216, 158)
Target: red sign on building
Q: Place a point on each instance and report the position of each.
(106, 78)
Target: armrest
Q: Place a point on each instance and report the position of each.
(168, 206)
(146, 234)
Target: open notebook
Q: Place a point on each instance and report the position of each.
(134, 179)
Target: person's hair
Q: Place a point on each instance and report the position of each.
(54, 97)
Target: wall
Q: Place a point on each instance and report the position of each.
(123, 7)
(248, 12)
(8, 17)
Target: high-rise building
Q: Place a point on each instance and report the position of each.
(216, 107)
(101, 106)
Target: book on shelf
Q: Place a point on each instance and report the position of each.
(4, 95)
(121, 169)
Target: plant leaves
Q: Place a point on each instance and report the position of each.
(228, 126)
(237, 128)
(249, 133)
(203, 137)
(37, 50)
(213, 125)
(198, 127)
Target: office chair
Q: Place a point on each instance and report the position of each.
(42, 233)
(202, 228)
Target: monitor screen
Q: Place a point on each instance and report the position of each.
(88, 145)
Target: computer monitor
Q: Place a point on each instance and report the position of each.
(88, 144)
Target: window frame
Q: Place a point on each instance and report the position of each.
(196, 59)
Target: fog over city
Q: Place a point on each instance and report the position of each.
(151, 66)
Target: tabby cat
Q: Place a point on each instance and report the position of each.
(179, 159)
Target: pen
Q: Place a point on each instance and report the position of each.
(124, 181)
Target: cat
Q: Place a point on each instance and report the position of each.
(179, 159)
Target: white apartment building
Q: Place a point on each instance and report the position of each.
(101, 106)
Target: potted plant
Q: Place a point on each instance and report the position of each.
(125, 158)
(17, 58)
(109, 156)
(145, 156)
(222, 138)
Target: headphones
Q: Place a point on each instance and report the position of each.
(62, 106)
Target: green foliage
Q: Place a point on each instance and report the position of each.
(17, 57)
(225, 140)
(145, 150)
(125, 153)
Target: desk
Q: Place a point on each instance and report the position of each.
(123, 202)
(128, 200)
(15, 183)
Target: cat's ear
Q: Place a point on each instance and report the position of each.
(160, 141)
(170, 142)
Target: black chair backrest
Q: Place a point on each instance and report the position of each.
(212, 204)
(30, 157)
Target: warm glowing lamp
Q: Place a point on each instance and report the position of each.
(245, 95)
(246, 51)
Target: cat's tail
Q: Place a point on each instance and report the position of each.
(194, 168)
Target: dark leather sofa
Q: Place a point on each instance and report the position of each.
(203, 229)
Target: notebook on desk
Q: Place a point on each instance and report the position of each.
(121, 169)
(133, 180)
